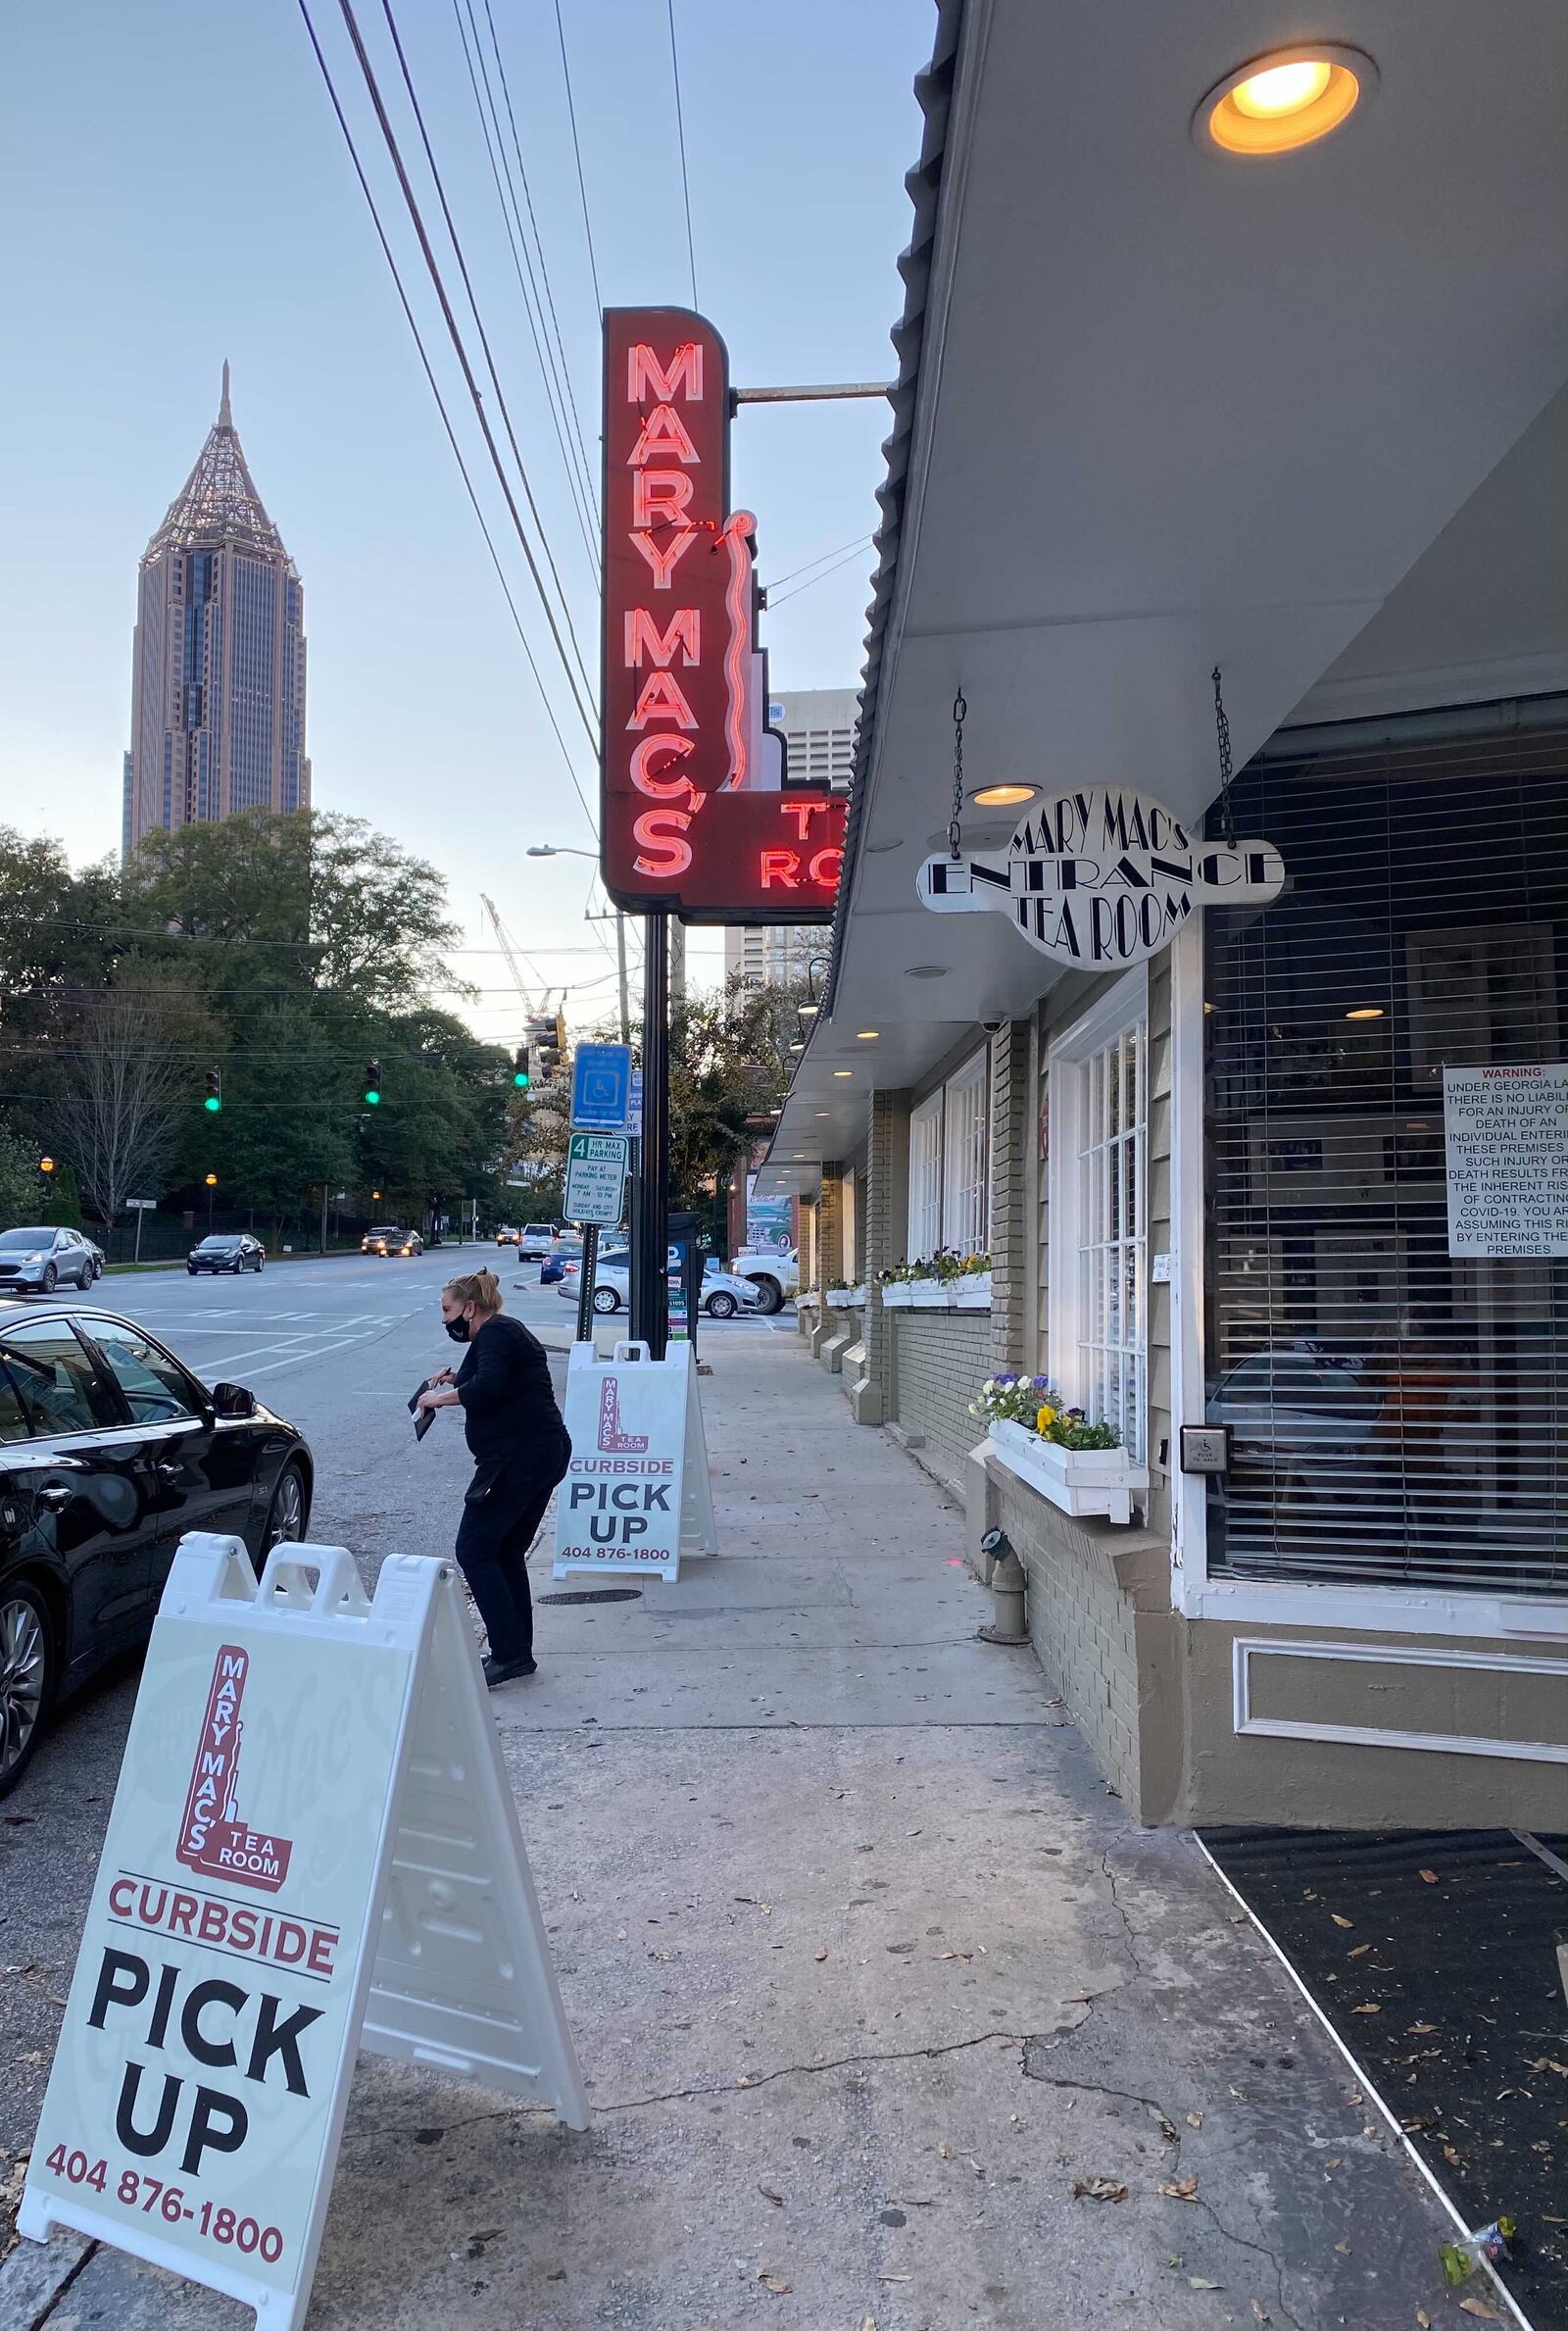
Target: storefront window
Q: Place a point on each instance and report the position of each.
(1099, 1341)
(949, 1154)
(1397, 1409)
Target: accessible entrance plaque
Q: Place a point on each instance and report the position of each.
(313, 1848)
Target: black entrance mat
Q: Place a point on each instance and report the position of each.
(1451, 1937)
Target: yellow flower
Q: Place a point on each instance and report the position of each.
(1045, 1418)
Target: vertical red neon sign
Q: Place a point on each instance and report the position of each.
(694, 816)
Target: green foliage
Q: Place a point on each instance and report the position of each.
(284, 952)
(22, 1194)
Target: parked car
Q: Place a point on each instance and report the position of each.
(109, 1450)
(387, 1239)
(776, 1277)
(563, 1252)
(36, 1261)
(536, 1239)
(722, 1296)
(226, 1250)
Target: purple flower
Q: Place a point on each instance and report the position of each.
(1041, 1383)
(1007, 1379)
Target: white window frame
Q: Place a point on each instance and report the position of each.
(1238, 1602)
(1122, 1007)
(924, 1234)
(966, 1193)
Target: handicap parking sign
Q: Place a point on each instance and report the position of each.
(601, 1087)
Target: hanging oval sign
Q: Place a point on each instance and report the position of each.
(1102, 878)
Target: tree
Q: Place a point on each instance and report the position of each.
(730, 1068)
(20, 1198)
(121, 1104)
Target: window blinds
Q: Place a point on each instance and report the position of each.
(1397, 1414)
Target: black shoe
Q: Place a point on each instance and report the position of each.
(507, 1670)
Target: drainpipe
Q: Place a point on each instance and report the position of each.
(1008, 1585)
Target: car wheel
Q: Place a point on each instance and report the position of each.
(190, 1271)
(27, 1660)
(260, 1259)
(772, 1294)
(721, 1307)
(285, 1516)
(605, 1300)
(51, 1278)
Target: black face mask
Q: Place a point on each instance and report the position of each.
(457, 1329)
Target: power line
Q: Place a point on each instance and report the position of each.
(544, 270)
(582, 188)
(773, 603)
(446, 420)
(843, 548)
(479, 321)
(493, 147)
(389, 137)
(680, 131)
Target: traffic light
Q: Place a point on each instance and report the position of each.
(215, 1092)
(546, 1035)
(520, 1067)
(373, 1085)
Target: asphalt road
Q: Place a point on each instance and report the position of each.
(336, 1346)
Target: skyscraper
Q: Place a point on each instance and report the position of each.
(217, 684)
(820, 728)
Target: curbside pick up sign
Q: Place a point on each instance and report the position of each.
(259, 1913)
(1102, 877)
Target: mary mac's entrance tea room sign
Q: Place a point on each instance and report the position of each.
(1102, 878)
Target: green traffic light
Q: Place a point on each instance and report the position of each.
(212, 1103)
(373, 1100)
(520, 1080)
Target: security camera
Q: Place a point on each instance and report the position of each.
(994, 1024)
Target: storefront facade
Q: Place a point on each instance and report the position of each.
(1216, 1199)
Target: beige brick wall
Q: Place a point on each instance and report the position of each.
(938, 1361)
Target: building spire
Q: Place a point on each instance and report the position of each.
(226, 419)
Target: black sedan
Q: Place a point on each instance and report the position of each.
(226, 1250)
(111, 1450)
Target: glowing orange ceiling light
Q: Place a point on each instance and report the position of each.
(1290, 98)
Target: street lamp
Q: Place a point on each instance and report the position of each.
(47, 1164)
(212, 1184)
(570, 850)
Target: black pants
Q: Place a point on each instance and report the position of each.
(494, 1536)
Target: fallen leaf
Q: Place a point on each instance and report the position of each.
(869, 2322)
(1200, 2282)
(1195, 2120)
(1333, 2161)
(1478, 2307)
(1184, 2189)
(895, 2278)
(1423, 2318)
(821, 1954)
(1260, 2310)
(1097, 2189)
(946, 2152)
(1371, 2009)
(1429, 1876)
(774, 2282)
(768, 2195)
(1421, 2027)
(1339, 1921)
(1344, 2248)
(1360, 1951)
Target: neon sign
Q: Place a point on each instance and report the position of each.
(698, 813)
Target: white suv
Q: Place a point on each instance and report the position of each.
(775, 1277)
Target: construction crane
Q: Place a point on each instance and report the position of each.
(544, 1029)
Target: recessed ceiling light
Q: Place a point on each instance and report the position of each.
(926, 971)
(1003, 797)
(1290, 98)
(825, 1113)
(843, 1072)
(866, 1035)
(1365, 1011)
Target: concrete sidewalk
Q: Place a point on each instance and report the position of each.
(866, 1970)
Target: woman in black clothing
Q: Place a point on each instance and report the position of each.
(521, 1450)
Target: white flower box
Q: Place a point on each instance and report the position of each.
(844, 1299)
(1078, 1480)
(972, 1293)
(896, 1297)
(930, 1295)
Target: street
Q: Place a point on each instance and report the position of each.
(874, 1986)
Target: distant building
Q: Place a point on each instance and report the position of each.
(820, 728)
(218, 687)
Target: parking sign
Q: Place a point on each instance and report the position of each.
(601, 1086)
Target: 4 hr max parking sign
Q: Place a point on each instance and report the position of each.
(699, 813)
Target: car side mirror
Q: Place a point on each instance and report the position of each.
(233, 1400)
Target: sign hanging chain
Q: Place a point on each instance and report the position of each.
(959, 715)
(1222, 736)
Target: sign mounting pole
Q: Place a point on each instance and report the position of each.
(650, 1292)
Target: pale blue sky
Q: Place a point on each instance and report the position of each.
(176, 191)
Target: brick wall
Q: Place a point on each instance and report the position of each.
(938, 1361)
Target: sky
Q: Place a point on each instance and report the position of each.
(178, 193)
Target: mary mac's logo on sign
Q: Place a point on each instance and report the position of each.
(213, 1837)
(1102, 877)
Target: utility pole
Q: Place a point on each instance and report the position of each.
(650, 1287)
(620, 975)
(677, 965)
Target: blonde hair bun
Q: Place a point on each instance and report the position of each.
(476, 1286)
